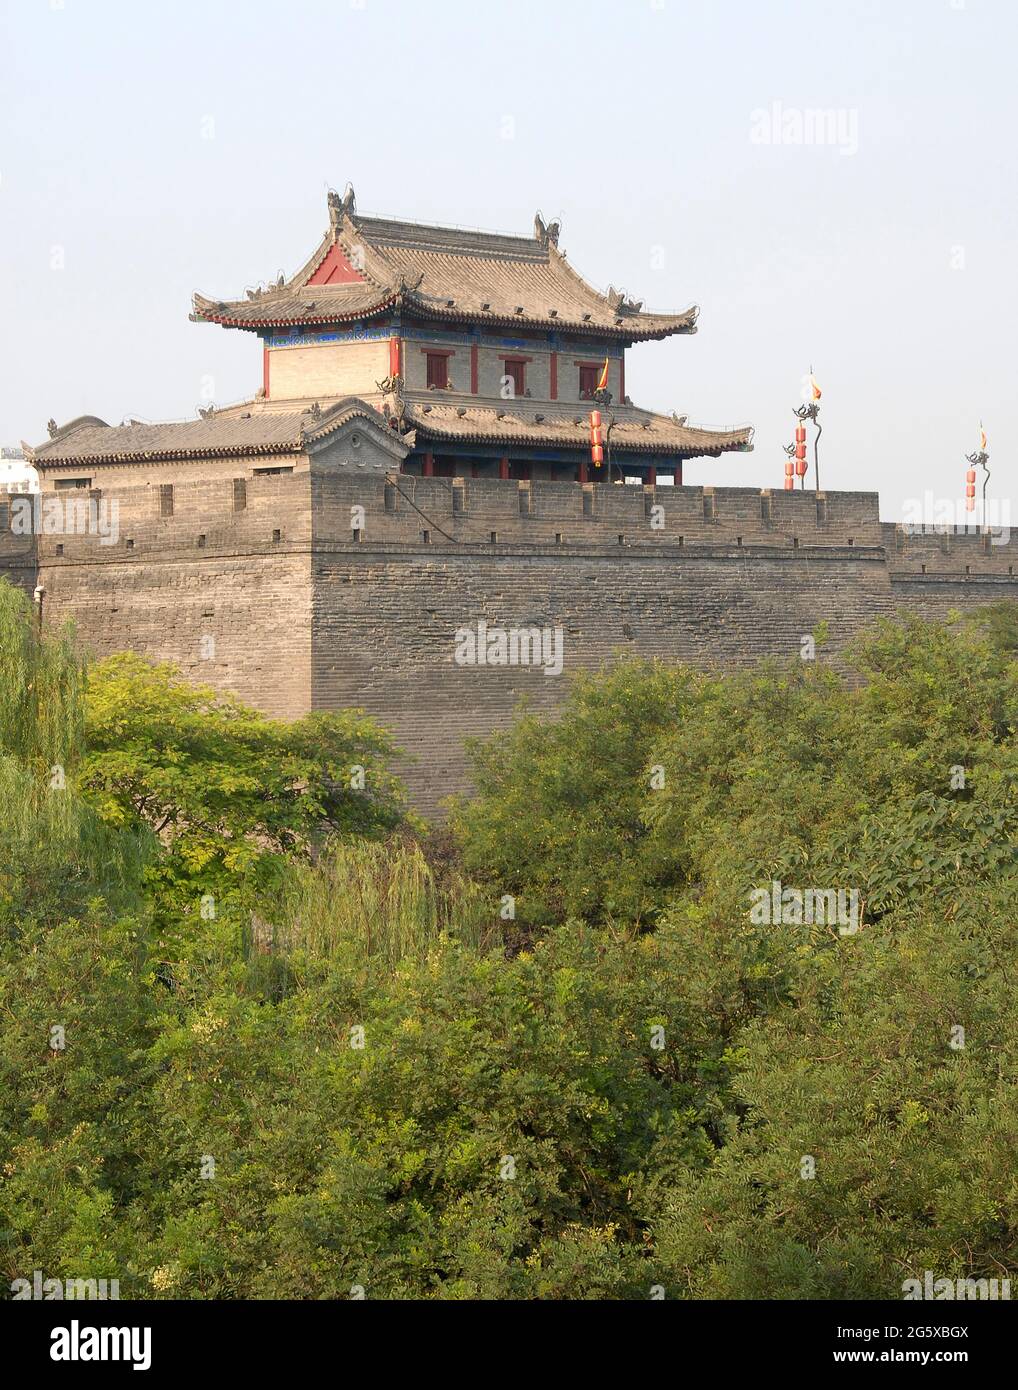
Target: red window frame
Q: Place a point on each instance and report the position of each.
(438, 370)
(516, 369)
(590, 375)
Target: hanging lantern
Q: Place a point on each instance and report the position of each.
(789, 475)
(800, 450)
(970, 490)
(596, 447)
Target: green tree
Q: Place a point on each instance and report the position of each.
(230, 794)
(880, 1131)
(557, 816)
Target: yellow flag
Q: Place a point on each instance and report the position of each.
(602, 384)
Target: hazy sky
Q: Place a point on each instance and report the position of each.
(150, 150)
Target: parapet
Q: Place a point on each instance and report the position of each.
(331, 509)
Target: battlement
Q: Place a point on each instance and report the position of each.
(333, 508)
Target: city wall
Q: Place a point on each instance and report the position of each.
(331, 588)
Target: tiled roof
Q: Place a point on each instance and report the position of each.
(260, 428)
(317, 304)
(633, 431)
(236, 431)
(446, 274)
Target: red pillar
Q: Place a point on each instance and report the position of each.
(583, 470)
(622, 378)
(473, 368)
(429, 464)
(652, 475)
(265, 372)
(553, 392)
(503, 468)
(678, 474)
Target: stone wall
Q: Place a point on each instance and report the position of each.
(715, 577)
(336, 587)
(221, 586)
(17, 553)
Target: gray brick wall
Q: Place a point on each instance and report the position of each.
(304, 613)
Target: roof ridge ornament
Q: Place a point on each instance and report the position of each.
(260, 290)
(620, 302)
(341, 207)
(404, 286)
(394, 404)
(546, 233)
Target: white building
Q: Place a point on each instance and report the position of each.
(16, 475)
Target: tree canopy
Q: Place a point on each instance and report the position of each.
(640, 1087)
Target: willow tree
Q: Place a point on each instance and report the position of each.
(56, 851)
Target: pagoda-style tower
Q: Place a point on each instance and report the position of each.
(486, 352)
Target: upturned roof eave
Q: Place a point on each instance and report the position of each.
(684, 442)
(641, 328)
(634, 328)
(226, 320)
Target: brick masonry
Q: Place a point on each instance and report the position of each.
(312, 602)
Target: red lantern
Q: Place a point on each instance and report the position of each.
(970, 490)
(789, 479)
(596, 450)
(800, 450)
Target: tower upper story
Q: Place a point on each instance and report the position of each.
(475, 313)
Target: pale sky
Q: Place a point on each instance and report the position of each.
(150, 150)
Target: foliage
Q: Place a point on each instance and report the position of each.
(556, 820)
(368, 1085)
(384, 900)
(911, 1125)
(230, 793)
